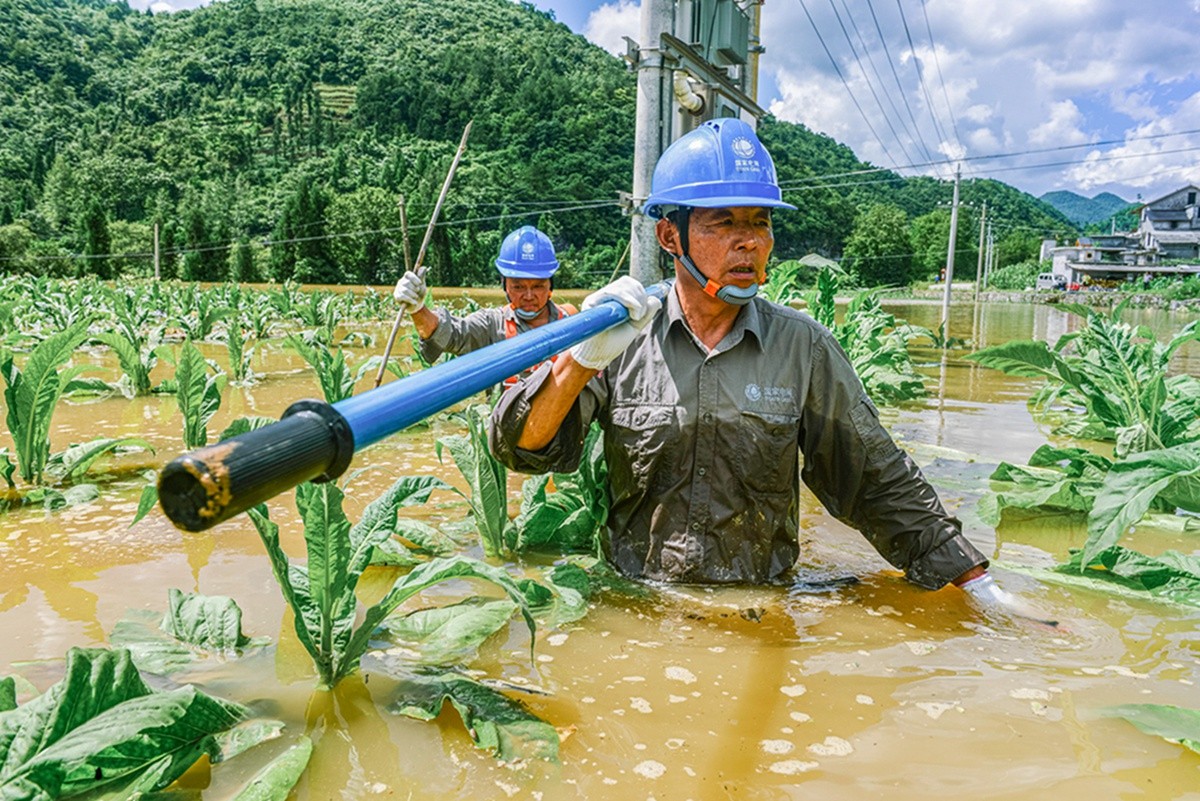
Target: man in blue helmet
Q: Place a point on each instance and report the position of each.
(527, 264)
(707, 408)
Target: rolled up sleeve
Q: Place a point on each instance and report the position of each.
(866, 481)
(508, 419)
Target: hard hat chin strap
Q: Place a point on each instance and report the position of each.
(730, 293)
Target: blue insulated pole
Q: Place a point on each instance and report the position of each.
(315, 441)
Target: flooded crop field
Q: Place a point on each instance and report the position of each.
(850, 683)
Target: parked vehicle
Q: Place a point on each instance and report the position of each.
(1050, 281)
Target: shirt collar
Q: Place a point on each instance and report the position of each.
(749, 321)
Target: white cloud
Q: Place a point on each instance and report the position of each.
(1020, 75)
(610, 22)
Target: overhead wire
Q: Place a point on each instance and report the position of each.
(938, 65)
(899, 87)
(867, 81)
(879, 78)
(845, 83)
(920, 76)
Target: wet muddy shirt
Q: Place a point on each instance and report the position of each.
(703, 453)
(459, 335)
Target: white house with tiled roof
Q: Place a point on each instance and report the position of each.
(1170, 225)
(1166, 242)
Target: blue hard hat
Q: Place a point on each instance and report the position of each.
(527, 253)
(720, 164)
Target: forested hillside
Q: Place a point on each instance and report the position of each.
(274, 139)
(1083, 210)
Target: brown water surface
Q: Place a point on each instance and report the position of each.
(874, 689)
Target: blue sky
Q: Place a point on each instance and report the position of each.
(1107, 90)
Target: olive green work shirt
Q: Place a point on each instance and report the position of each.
(480, 328)
(703, 453)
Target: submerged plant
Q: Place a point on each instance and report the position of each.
(198, 393)
(875, 344)
(333, 373)
(32, 393)
(102, 730)
(487, 480)
(321, 593)
(1117, 374)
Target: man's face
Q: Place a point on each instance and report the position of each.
(527, 294)
(730, 246)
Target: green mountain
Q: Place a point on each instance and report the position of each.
(276, 138)
(1083, 211)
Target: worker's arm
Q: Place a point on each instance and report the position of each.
(554, 399)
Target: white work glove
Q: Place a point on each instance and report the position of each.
(597, 351)
(410, 291)
(995, 602)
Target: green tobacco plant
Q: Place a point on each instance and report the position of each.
(321, 593)
(195, 627)
(487, 480)
(32, 393)
(137, 358)
(333, 373)
(239, 355)
(202, 317)
(1117, 374)
(1134, 485)
(198, 394)
(876, 345)
(785, 282)
(102, 730)
(568, 519)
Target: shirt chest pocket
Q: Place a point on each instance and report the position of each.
(766, 450)
(646, 440)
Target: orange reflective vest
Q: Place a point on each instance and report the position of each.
(510, 331)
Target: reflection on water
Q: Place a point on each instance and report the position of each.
(831, 690)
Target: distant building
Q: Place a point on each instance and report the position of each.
(1168, 232)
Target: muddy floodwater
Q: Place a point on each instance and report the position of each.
(874, 689)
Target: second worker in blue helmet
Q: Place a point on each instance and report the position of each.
(527, 263)
(707, 407)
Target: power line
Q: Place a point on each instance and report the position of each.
(879, 78)
(937, 63)
(867, 80)
(849, 91)
(896, 77)
(920, 76)
(1013, 154)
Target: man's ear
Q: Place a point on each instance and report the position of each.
(668, 236)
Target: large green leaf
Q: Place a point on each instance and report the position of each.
(1172, 723)
(427, 575)
(164, 732)
(486, 477)
(449, 635)
(211, 622)
(1131, 487)
(276, 780)
(495, 721)
(331, 583)
(75, 460)
(378, 521)
(8, 694)
(95, 680)
(198, 394)
(1171, 576)
(32, 393)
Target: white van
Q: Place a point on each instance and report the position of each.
(1050, 281)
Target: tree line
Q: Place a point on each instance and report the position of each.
(271, 140)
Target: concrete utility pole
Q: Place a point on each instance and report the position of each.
(648, 145)
(950, 257)
(979, 264)
(157, 271)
